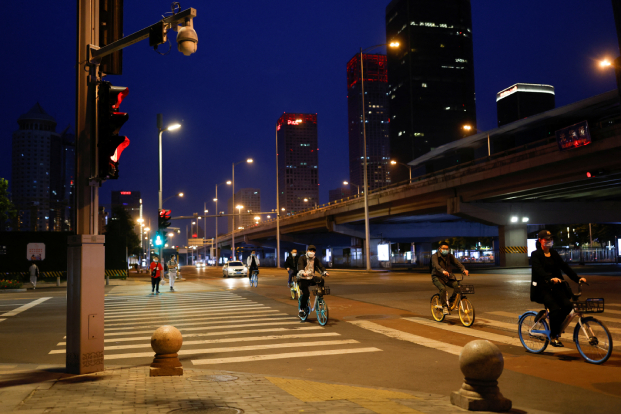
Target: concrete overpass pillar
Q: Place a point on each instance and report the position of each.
(512, 241)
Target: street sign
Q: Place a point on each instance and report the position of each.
(196, 242)
(574, 136)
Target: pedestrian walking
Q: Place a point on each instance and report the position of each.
(34, 274)
(172, 273)
(156, 275)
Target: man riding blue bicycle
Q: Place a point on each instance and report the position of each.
(441, 274)
(307, 265)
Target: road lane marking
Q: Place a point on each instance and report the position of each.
(222, 340)
(184, 308)
(190, 320)
(146, 298)
(198, 322)
(204, 328)
(2, 319)
(236, 349)
(158, 302)
(408, 337)
(170, 313)
(252, 358)
(25, 307)
(479, 334)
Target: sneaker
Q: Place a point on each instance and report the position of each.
(555, 342)
(171, 288)
(301, 313)
(445, 310)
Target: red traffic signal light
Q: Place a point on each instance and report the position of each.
(163, 219)
(596, 173)
(110, 121)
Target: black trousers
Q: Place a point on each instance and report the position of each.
(304, 285)
(155, 284)
(252, 269)
(559, 305)
(442, 288)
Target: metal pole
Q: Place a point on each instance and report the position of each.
(277, 206)
(216, 239)
(233, 217)
(367, 234)
(489, 150)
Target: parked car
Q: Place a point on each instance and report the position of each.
(234, 268)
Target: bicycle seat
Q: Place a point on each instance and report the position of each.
(540, 315)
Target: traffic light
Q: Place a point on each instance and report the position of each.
(158, 240)
(163, 222)
(110, 121)
(596, 173)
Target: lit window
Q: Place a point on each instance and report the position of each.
(424, 85)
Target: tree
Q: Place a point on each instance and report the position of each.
(121, 224)
(7, 209)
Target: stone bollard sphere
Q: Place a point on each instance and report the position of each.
(481, 360)
(166, 340)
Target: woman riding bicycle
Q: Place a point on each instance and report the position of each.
(253, 264)
(548, 286)
(441, 274)
(307, 265)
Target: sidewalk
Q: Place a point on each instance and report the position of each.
(36, 389)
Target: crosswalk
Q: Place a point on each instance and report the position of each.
(217, 327)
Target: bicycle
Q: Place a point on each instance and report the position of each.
(254, 279)
(320, 307)
(591, 336)
(461, 302)
(295, 290)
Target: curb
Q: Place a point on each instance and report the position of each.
(12, 290)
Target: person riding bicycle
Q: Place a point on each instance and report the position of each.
(291, 264)
(253, 263)
(548, 286)
(306, 267)
(441, 274)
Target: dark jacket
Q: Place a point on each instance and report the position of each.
(440, 263)
(292, 262)
(303, 260)
(543, 272)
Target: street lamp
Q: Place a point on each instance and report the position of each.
(218, 213)
(357, 186)
(470, 128)
(393, 162)
(168, 198)
(161, 129)
(367, 233)
(249, 161)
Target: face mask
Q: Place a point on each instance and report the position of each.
(548, 243)
(294, 254)
(443, 252)
(155, 260)
(311, 254)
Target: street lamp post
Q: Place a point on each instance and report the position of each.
(470, 127)
(249, 161)
(409, 167)
(217, 214)
(357, 186)
(161, 129)
(277, 206)
(367, 233)
(168, 198)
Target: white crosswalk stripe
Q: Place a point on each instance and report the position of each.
(214, 325)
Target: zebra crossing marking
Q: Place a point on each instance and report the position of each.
(25, 307)
(171, 313)
(185, 309)
(263, 313)
(272, 317)
(268, 357)
(570, 326)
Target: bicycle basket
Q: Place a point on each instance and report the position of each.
(467, 289)
(321, 291)
(591, 305)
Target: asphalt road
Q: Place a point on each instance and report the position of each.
(380, 332)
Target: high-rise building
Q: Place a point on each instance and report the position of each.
(250, 200)
(128, 200)
(339, 193)
(523, 100)
(297, 162)
(430, 76)
(376, 113)
(43, 171)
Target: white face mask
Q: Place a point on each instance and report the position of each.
(548, 243)
(311, 254)
(155, 260)
(294, 254)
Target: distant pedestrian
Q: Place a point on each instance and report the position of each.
(156, 275)
(172, 273)
(34, 274)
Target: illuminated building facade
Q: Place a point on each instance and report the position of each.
(298, 176)
(250, 199)
(128, 200)
(430, 76)
(376, 111)
(43, 168)
(523, 100)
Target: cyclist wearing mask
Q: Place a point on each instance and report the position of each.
(307, 265)
(291, 264)
(253, 263)
(547, 284)
(442, 276)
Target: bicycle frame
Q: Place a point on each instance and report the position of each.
(572, 315)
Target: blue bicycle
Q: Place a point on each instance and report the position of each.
(591, 336)
(254, 279)
(319, 305)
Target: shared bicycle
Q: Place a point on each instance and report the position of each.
(295, 289)
(254, 279)
(461, 303)
(591, 336)
(320, 307)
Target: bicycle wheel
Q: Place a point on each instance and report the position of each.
(292, 293)
(322, 312)
(535, 343)
(256, 280)
(466, 312)
(436, 308)
(593, 340)
(307, 311)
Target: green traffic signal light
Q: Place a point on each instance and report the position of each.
(158, 240)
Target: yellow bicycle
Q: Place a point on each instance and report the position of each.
(461, 303)
(295, 289)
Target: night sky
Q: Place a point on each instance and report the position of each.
(256, 60)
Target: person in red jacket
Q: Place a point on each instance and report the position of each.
(156, 274)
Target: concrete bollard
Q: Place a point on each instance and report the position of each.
(57, 281)
(166, 341)
(481, 362)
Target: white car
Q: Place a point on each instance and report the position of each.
(234, 268)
